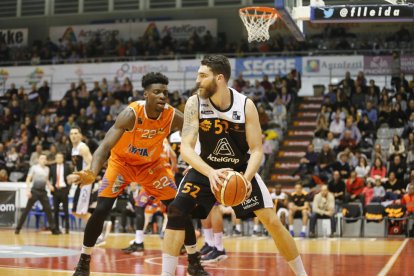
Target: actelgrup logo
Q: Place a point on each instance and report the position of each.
(313, 66)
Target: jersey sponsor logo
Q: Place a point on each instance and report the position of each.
(250, 202)
(207, 112)
(204, 105)
(236, 115)
(140, 151)
(223, 148)
(205, 125)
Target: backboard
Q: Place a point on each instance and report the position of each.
(293, 13)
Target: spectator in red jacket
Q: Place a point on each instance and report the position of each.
(408, 199)
(354, 188)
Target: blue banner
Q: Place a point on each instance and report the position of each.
(271, 66)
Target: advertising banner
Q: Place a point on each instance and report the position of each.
(362, 13)
(331, 65)
(14, 37)
(181, 73)
(178, 29)
(271, 66)
(377, 65)
(7, 208)
(407, 64)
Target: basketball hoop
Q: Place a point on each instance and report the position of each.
(257, 21)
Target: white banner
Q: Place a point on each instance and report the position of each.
(14, 37)
(179, 29)
(335, 66)
(181, 73)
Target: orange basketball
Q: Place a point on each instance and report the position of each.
(234, 189)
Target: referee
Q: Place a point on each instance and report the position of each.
(38, 178)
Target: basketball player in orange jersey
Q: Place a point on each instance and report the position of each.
(135, 143)
(227, 125)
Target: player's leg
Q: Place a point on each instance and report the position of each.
(115, 180)
(207, 229)
(30, 202)
(283, 240)
(304, 223)
(92, 231)
(218, 253)
(291, 217)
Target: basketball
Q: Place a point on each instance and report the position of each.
(234, 189)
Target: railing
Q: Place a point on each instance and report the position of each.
(316, 52)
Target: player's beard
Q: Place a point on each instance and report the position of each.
(207, 91)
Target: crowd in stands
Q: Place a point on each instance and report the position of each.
(151, 46)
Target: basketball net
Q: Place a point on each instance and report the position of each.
(257, 21)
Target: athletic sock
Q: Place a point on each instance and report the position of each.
(169, 264)
(304, 229)
(290, 227)
(191, 249)
(86, 250)
(218, 241)
(139, 236)
(297, 266)
(208, 236)
(256, 228)
(238, 227)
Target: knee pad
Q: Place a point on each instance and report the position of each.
(178, 213)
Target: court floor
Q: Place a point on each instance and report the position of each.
(40, 253)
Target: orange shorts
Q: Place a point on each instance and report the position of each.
(156, 178)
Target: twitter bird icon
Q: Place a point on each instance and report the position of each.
(327, 13)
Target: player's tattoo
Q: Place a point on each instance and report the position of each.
(190, 127)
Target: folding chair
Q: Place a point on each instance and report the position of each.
(352, 220)
(374, 221)
(395, 214)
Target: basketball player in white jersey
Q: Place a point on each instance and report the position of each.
(81, 160)
(227, 124)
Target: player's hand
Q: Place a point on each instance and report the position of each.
(84, 177)
(29, 194)
(249, 187)
(51, 188)
(216, 177)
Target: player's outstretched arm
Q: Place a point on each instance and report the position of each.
(254, 139)
(124, 121)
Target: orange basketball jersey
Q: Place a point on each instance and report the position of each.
(144, 143)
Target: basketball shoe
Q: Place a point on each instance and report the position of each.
(82, 269)
(214, 256)
(206, 249)
(194, 266)
(134, 247)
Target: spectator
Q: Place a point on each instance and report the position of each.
(298, 208)
(367, 130)
(337, 126)
(331, 95)
(377, 153)
(12, 160)
(384, 110)
(286, 97)
(279, 113)
(4, 177)
(308, 161)
(322, 128)
(337, 187)
(326, 159)
(363, 169)
(116, 108)
(378, 169)
(371, 112)
(347, 141)
(323, 207)
(379, 191)
(408, 199)
(34, 158)
(368, 191)
(396, 147)
(373, 94)
(358, 99)
(281, 201)
(342, 166)
(263, 117)
(354, 187)
(355, 133)
(332, 141)
(348, 80)
(398, 167)
(397, 117)
(394, 187)
(258, 92)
